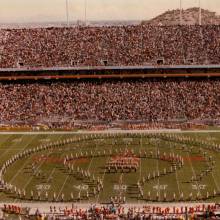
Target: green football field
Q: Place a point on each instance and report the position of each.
(75, 167)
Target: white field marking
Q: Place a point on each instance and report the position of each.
(103, 177)
(51, 174)
(215, 181)
(118, 187)
(194, 173)
(45, 140)
(140, 156)
(141, 145)
(195, 187)
(211, 138)
(43, 187)
(17, 173)
(177, 180)
(41, 164)
(62, 187)
(127, 140)
(162, 187)
(158, 179)
(68, 177)
(9, 148)
(30, 179)
(82, 187)
(90, 163)
(109, 131)
(17, 140)
(27, 183)
(100, 140)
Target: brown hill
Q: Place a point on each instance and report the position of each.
(190, 16)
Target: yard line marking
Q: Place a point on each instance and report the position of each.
(14, 177)
(62, 187)
(90, 164)
(214, 179)
(158, 179)
(15, 200)
(8, 148)
(60, 191)
(216, 183)
(51, 174)
(38, 167)
(103, 177)
(30, 179)
(194, 173)
(64, 183)
(112, 131)
(141, 145)
(41, 164)
(177, 180)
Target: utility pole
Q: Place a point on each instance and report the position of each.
(67, 13)
(200, 13)
(85, 12)
(181, 15)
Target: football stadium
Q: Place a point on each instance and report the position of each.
(111, 121)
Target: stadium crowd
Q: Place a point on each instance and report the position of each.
(152, 100)
(96, 46)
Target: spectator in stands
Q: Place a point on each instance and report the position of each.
(95, 46)
(148, 100)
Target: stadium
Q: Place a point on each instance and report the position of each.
(111, 121)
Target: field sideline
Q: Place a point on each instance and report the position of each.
(52, 176)
(111, 131)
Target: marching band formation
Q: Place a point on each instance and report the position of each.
(117, 162)
(121, 161)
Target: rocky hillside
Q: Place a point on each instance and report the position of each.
(190, 16)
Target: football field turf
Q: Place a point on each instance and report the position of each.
(75, 167)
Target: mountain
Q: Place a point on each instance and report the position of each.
(190, 16)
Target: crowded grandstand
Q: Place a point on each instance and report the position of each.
(108, 101)
(94, 46)
(111, 121)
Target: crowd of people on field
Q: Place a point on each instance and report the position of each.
(120, 212)
(151, 100)
(110, 45)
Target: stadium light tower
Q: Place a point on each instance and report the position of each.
(181, 15)
(200, 13)
(67, 13)
(85, 12)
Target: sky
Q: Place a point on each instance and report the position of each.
(20, 11)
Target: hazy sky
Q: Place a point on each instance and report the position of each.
(55, 10)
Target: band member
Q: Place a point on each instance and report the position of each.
(174, 196)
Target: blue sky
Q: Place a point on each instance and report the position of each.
(54, 10)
